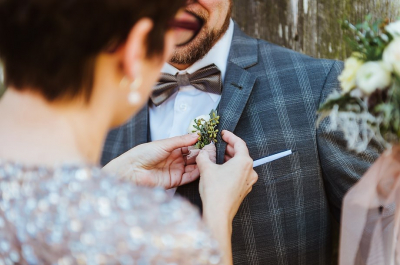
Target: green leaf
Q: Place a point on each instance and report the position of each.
(207, 130)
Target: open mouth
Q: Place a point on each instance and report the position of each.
(186, 26)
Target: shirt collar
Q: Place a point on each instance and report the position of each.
(218, 55)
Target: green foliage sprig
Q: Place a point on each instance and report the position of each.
(207, 130)
(368, 39)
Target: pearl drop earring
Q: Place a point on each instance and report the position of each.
(134, 96)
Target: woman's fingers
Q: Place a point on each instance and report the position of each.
(177, 142)
(203, 161)
(191, 174)
(251, 181)
(185, 150)
(190, 168)
(227, 158)
(230, 151)
(254, 178)
(239, 146)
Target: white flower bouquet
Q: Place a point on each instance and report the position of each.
(368, 107)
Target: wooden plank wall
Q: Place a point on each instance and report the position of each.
(308, 26)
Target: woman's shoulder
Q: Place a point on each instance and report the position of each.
(80, 211)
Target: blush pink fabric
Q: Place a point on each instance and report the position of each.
(371, 215)
(193, 153)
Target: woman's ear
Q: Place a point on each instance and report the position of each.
(136, 47)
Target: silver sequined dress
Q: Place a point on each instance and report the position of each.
(79, 215)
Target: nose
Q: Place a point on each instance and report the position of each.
(189, 2)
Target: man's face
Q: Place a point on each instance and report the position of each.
(215, 16)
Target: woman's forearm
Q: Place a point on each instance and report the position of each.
(221, 229)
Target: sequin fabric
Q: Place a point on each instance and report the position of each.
(79, 215)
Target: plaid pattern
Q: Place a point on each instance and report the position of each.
(270, 98)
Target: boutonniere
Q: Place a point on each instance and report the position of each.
(206, 127)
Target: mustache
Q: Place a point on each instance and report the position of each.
(191, 10)
(196, 15)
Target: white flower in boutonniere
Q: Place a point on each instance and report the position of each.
(391, 55)
(373, 76)
(348, 77)
(394, 29)
(193, 124)
(206, 128)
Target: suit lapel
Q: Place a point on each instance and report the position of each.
(237, 88)
(238, 84)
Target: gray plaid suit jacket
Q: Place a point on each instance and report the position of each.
(270, 98)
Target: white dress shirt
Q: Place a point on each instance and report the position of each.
(172, 117)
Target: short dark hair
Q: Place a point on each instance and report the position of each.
(50, 46)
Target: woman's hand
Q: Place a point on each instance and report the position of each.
(160, 163)
(224, 187)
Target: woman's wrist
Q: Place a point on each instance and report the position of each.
(220, 226)
(217, 210)
(218, 220)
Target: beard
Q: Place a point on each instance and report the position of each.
(200, 45)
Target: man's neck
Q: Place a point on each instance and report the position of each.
(181, 67)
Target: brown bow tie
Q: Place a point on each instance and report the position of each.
(207, 79)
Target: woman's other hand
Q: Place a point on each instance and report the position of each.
(159, 163)
(224, 187)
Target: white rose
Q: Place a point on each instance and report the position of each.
(391, 55)
(348, 77)
(394, 28)
(191, 128)
(372, 76)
